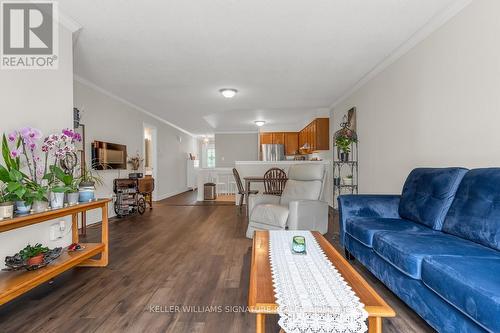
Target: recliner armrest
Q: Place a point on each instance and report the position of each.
(366, 205)
(308, 215)
(258, 199)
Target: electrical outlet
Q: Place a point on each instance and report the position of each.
(62, 225)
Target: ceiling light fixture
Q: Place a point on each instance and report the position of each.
(260, 123)
(228, 93)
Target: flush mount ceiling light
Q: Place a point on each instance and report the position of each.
(260, 123)
(228, 93)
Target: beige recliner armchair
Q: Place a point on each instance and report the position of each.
(298, 208)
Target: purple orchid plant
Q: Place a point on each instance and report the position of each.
(25, 149)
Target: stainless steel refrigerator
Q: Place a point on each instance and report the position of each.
(273, 152)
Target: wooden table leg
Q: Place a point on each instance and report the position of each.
(74, 228)
(374, 324)
(261, 323)
(247, 193)
(103, 261)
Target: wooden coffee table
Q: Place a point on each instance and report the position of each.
(261, 292)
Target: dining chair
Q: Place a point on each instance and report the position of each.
(241, 190)
(274, 181)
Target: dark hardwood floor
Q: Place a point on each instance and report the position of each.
(179, 254)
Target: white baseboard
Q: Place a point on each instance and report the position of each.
(170, 194)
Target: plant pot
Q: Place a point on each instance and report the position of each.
(36, 260)
(72, 198)
(347, 181)
(22, 207)
(6, 210)
(40, 206)
(56, 200)
(86, 194)
(344, 157)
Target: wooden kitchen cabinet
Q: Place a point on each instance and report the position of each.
(316, 134)
(266, 138)
(279, 138)
(291, 143)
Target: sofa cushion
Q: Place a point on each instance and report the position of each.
(428, 193)
(270, 214)
(471, 284)
(475, 212)
(405, 251)
(363, 229)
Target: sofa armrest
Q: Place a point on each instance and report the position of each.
(258, 199)
(366, 205)
(308, 215)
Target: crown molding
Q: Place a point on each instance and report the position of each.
(124, 101)
(431, 26)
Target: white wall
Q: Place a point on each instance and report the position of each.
(42, 99)
(438, 105)
(235, 147)
(109, 119)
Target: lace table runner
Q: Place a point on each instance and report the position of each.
(311, 294)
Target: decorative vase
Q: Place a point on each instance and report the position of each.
(40, 206)
(56, 200)
(36, 260)
(72, 198)
(6, 210)
(22, 207)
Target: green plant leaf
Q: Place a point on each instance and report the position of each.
(13, 186)
(15, 175)
(4, 174)
(59, 189)
(20, 192)
(6, 152)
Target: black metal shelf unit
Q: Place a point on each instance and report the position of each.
(345, 163)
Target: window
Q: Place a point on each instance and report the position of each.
(210, 157)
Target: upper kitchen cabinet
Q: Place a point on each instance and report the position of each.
(291, 143)
(279, 138)
(316, 135)
(266, 138)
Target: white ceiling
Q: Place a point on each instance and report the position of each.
(289, 59)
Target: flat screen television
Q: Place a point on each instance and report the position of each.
(107, 155)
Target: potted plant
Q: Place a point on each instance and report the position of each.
(67, 184)
(33, 255)
(17, 189)
(87, 182)
(40, 201)
(6, 204)
(343, 143)
(347, 180)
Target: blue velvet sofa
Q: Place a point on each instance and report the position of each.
(436, 246)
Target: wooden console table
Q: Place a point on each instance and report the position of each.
(14, 284)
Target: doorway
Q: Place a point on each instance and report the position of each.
(150, 154)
